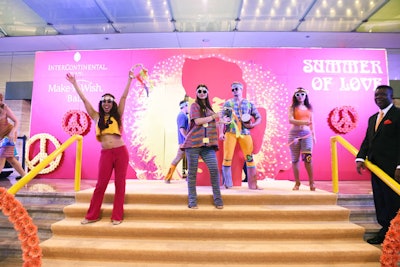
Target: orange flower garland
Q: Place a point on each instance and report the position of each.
(19, 217)
(391, 245)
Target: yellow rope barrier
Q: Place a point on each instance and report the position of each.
(78, 165)
(372, 167)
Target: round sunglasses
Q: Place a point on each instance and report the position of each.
(299, 94)
(199, 91)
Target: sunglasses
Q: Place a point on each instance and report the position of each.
(299, 94)
(199, 91)
(235, 89)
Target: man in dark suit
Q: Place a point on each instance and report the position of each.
(381, 146)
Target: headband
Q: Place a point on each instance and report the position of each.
(301, 89)
(237, 85)
(184, 104)
(107, 97)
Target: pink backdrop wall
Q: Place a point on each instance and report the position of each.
(338, 80)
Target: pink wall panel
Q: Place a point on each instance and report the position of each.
(335, 78)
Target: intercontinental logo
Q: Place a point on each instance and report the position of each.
(77, 67)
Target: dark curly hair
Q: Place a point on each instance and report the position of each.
(103, 124)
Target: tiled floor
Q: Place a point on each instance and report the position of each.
(67, 185)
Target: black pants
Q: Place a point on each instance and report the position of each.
(387, 203)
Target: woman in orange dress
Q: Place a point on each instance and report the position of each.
(301, 135)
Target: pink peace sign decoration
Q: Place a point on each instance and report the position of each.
(76, 122)
(343, 119)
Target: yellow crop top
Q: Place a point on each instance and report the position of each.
(112, 129)
(302, 114)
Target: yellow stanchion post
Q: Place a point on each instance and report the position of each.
(78, 164)
(335, 169)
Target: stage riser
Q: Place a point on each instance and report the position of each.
(254, 228)
(159, 230)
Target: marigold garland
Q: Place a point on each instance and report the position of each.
(343, 119)
(19, 217)
(42, 154)
(391, 245)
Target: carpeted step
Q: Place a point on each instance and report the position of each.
(230, 197)
(85, 263)
(209, 212)
(225, 230)
(273, 227)
(210, 251)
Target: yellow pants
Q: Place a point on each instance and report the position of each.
(246, 145)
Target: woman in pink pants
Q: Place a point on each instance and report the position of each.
(114, 154)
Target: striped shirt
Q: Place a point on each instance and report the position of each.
(198, 135)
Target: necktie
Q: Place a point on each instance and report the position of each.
(378, 121)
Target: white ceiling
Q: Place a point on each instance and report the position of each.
(32, 25)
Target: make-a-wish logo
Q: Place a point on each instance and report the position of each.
(86, 86)
(90, 87)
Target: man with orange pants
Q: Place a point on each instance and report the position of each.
(237, 129)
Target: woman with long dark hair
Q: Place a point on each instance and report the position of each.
(202, 141)
(114, 154)
(301, 135)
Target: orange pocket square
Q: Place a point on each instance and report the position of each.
(387, 122)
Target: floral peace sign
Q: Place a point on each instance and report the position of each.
(343, 119)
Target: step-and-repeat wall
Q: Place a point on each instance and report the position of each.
(340, 84)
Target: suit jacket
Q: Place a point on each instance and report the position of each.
(383, 146)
